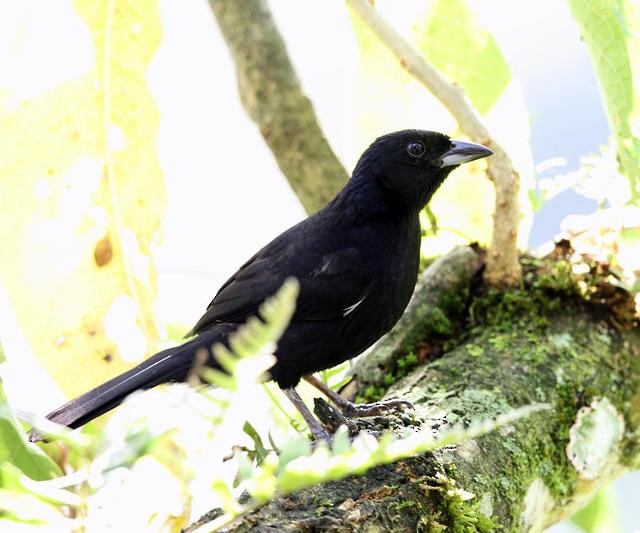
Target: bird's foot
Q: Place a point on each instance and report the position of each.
(358, 410)
(332, 418)
(318, 432)
(344, 411)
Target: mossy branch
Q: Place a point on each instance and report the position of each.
(272, 96)
(527, 347)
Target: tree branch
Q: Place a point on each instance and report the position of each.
(272, 96)
(535, 346)
(503, 268)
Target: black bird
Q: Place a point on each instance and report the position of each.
(356, 261)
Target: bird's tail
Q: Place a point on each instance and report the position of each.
(173, 364)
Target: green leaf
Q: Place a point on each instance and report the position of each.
(254, 340)
(260, 451)
(87, 143)
(610, 29)
(454, 41)
(602, 514)
(16, 450)
(21, 506)
(14, 480)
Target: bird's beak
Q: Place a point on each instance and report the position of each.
(463, 152)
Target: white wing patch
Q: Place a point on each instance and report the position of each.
(351, 308)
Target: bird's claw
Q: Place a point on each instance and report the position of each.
(357, 410)
(333, 418)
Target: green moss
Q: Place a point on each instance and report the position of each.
(500, 342)
(554, 346)
(408, 362)
(371, 393)
(535, 324)
(546, 287)
(427, 524)
(406, 504)
(439, 322)
(474, 350)
(458, 511)
(555, 276)
(388, 379)
(571, 360)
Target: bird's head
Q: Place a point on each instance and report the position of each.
(410, 165)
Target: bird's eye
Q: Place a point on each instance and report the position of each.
(415, 149)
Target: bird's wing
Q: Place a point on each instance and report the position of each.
(332, 285)
(335, 287)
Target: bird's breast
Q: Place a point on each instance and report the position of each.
(393, 257)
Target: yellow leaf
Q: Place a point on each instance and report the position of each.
(81, 197)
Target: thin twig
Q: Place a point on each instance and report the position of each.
(503, 268)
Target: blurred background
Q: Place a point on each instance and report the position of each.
(224, 192)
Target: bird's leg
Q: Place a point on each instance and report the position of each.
(355, 410)
(316, 429)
